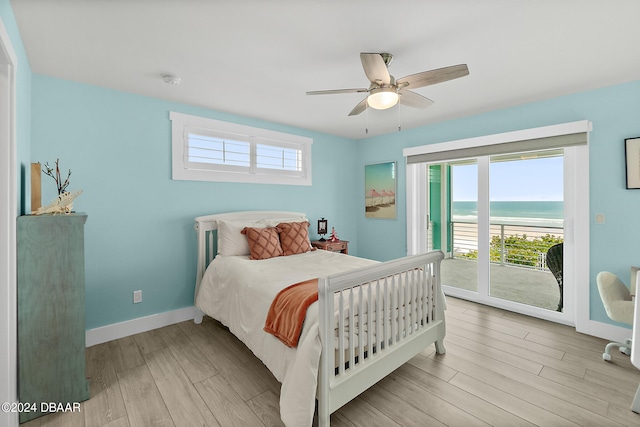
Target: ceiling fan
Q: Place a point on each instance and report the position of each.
(385, 91)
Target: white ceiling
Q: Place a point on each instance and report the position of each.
(258, 58)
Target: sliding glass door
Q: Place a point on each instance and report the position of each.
(496, 217)
(532, 182)
(526, 212)
(461, 229)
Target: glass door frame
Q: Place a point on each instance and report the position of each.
(576, 218)
(483, 280)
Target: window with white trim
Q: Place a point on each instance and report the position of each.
(212, 150)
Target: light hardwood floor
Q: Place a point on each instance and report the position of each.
(500, 369)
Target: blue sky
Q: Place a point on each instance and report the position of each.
(533, 179)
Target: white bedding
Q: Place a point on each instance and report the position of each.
(238, 292)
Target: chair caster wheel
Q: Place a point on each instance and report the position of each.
(606, 357)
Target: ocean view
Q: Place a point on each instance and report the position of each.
(534, 219)
(521, 212)
(528, 209)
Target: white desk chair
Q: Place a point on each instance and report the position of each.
(619, 306)
(635, 344)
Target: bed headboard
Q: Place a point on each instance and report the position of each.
(206, 225)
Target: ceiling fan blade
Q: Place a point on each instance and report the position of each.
(412, 99)
(362, 105)
(432, 77)
(375, 68)
(332, 91)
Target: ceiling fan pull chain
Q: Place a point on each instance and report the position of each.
(366, 120)
(399, 123)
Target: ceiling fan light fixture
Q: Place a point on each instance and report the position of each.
(385, 91)
(382, 98)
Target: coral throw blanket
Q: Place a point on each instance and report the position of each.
(288, 310)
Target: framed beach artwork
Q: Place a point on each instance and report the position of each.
(380, 190)
(632, 157)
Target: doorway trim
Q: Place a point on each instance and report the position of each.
(8, 213)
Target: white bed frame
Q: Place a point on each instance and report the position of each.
(408, 317)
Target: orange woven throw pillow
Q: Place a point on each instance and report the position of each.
(263, 242)
(294, 237)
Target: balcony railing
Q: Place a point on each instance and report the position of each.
(512, 243)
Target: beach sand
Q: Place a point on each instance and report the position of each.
(387, 211)
(466, 234)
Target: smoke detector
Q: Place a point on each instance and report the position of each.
(171, 79)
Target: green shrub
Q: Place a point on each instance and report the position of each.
(519, 250)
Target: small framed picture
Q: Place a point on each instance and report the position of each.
(632, 157)
(322, 226)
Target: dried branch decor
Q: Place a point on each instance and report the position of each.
(62, 185)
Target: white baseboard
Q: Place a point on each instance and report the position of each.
(136, 326)
(606, 331)
(155, 321)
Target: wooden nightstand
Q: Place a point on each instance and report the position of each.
(341, 246)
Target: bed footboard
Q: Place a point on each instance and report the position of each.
(372, 321)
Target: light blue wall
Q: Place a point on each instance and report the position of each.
(23, 107)
(615, 114)
(139, 234)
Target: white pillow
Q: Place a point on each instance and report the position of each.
(231, 241)
(275, 221)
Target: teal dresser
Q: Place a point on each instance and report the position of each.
(51, 311)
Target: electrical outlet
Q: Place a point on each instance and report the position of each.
(137, 297)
